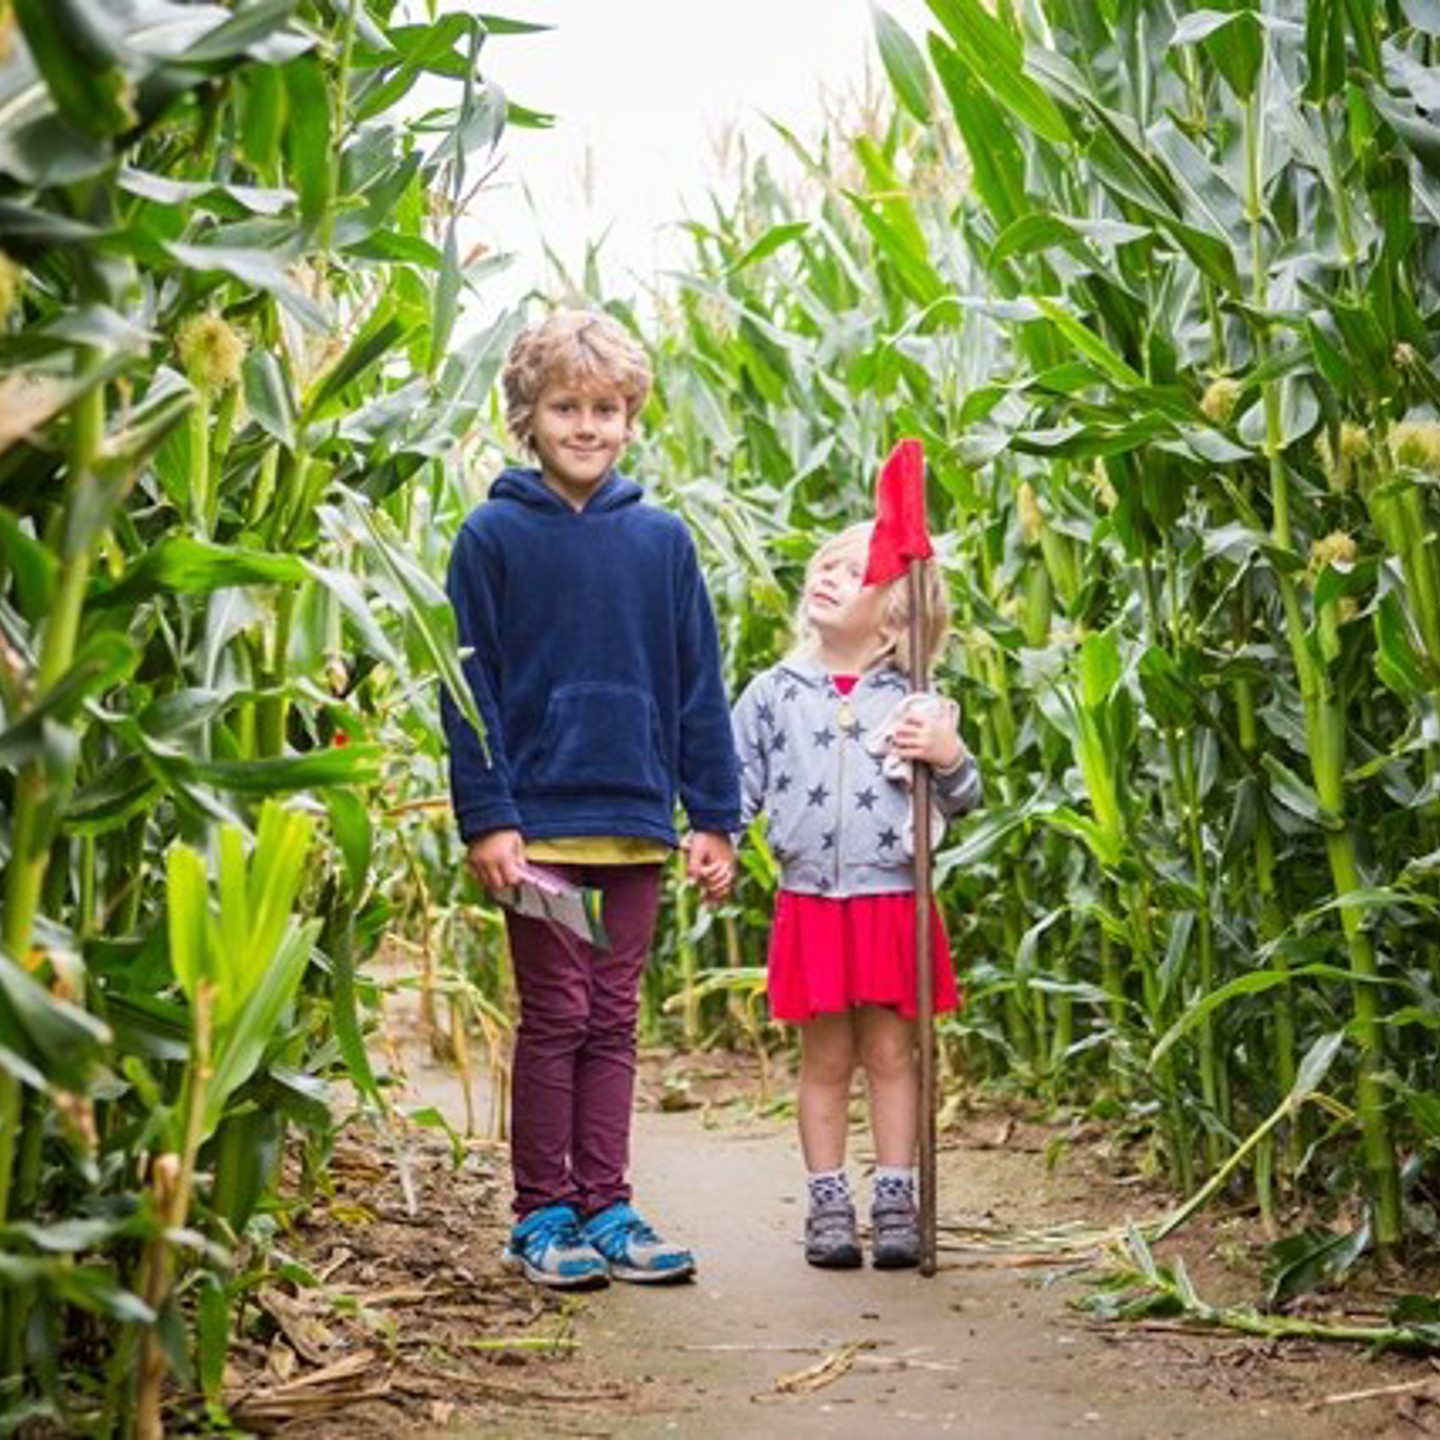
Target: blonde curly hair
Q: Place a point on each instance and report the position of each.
(572, 347)
(897, 604)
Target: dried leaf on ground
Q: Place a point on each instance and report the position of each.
(826, 1372)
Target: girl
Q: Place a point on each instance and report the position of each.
(824, 740)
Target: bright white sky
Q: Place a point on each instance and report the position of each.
(642, 89)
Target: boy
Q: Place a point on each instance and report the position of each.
(595, 666)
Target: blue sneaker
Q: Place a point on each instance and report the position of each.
(633, 1250)
(548, 1249)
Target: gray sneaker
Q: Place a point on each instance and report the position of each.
(895, 1233)
(831, 1241)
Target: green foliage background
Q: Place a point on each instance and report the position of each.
(233, 404)
(1157, 286)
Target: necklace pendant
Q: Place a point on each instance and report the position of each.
(847, 715)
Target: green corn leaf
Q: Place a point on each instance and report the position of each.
(997, 162)
(1424, 1108)
(447, 297)
(184, 565)
(74, 48)
(774, 239)
(996, 58)
(350, 822)
(347, 765)
(49, 1037)
(240, 1049)
(897, 243)
(255, 269)
(268, 397)
(259, 31)
(1371, 897)
(344, 1009)
(263, 115)
(212, 1335)
(385, 333)
(68, 1237)
(1294, 794)
(89, 1287)
(115, 796)
(227, 199)
(1100, 668)
(350, 593)
(277, 870)
(1033, 234)
(104, 660)
(1397, 662)
(888, 192)
(300, 1097)
(904, 64)
(1076, 334)
(1107, 848)
(981, 839)
(428, 610)
(1167, 695)
(1315, 1066)
(306, 138)
(188, 909)
(1254, 982)
(233, 933)
(1233, 39)
(1324, 49)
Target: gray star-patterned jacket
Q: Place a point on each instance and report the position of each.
(837, 825)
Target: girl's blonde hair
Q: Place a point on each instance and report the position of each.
(572, 347)
(897, 604)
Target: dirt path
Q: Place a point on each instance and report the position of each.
(992, 1354)
(982, 1350)
(398, 1319)
(985, 1350)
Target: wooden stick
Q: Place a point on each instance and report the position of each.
(1376, 1393)
(924, 963)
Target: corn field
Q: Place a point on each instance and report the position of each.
(1155, 283)
(232, 399)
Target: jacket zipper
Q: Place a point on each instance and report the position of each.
(840, 778)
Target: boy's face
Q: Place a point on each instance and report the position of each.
(839, 606)
(578, 432)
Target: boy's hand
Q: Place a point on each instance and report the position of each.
(710, 863)
(496, 858)
(930, 733)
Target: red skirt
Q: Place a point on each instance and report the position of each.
(828, 955)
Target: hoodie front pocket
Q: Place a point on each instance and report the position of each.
(601, 739)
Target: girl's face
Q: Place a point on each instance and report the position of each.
(839, 607)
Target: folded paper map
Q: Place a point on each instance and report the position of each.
(544, 895)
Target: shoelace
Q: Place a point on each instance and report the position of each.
(563, 1231)
(626, 1225)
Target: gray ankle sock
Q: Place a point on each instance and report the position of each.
(828, 1187)
(894, 1184)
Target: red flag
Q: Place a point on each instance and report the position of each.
(900, 533)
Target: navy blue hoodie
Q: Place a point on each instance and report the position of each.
(595, 667)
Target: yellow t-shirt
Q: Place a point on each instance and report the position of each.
(598, 850)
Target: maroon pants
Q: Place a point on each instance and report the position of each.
(574, 1069)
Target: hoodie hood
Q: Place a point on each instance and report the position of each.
(524, 485)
